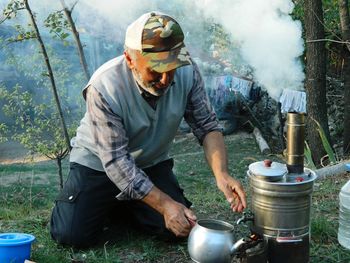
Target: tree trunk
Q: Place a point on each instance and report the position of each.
(345, 21)
(59, 166)
(346, 135)
(315, 77)
(52, 79)
(81, 53)
(345, 28)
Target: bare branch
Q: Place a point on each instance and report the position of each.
(327, 40)
(4, 19)
(71, 10)
(77, 39)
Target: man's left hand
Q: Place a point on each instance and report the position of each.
(233, 192)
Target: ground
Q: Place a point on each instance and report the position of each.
(12, 152)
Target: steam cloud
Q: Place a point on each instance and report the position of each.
(270, 40)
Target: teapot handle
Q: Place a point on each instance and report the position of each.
(237, 245)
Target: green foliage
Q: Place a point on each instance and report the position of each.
(323, 230)
(331, 19)
(330, 14)
(12, 8)
(68, 80)
(10, 12)
(23, 34)
(308, 156)
(3, 132)
(36, 124)
(327, 146)
(58, 25)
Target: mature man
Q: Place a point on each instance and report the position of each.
(119, 160)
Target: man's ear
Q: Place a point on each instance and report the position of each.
(129, 60)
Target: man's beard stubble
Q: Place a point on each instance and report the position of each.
(149, 87)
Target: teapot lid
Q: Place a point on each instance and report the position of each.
(268, 170)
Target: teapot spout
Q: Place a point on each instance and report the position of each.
(236, 246)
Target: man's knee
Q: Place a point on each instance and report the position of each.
(65, 232)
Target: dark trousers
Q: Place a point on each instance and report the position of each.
(88, 198)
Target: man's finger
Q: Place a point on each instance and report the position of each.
(228, 194)
(241, 195)
(238, 207)
(189, 214)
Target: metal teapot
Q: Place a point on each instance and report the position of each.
(213, 241)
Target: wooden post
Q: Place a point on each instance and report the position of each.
(264, 147)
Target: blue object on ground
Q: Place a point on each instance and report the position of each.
(15, 247)
(347, 166)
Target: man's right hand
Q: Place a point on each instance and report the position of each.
(177, 217)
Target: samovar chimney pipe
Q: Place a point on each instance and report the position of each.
(295, 142)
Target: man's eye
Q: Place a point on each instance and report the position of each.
(155, 75)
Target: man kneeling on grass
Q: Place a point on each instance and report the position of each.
(119, 164)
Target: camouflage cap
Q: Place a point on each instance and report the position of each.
(161, 41)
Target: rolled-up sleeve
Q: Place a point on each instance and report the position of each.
(112, 146)
(199, 113)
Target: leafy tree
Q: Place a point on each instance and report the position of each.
(11, 11)
(29, 106)
(36, 125)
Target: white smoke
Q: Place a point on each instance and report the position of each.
(271, 42)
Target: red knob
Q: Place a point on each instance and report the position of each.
(267, 163)
(299, 179)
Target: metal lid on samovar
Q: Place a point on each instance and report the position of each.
(268, 171)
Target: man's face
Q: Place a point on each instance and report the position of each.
(153, 82)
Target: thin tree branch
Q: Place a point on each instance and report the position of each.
(4, 19)
(50, 72)
(71, 10)
(77, 39)
(8, 15)
(327, 40)
(324, 25)
(8, 42)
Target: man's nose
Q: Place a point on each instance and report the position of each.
(165, 79)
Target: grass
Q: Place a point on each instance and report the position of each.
(27, 193)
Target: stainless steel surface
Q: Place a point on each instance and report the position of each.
(295, 142)
(282, 208)
(212, 241)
